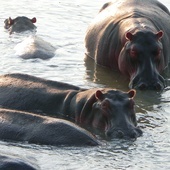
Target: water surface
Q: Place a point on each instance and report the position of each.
(63, 24)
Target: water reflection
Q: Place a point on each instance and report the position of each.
(104, 76)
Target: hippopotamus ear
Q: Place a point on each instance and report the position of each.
(131, 93)
(10, 21)
(129, 36)
(34, 20)
(99, 94)
(159, 34)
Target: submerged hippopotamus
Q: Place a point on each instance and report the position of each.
(15, 163)
(106, 111)
(33, 46)
(133, 37)
(28, 127)
(19, 24)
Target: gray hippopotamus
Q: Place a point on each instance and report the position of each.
(15, 163)
(28, 127)
(105, 111)
(33, 46)
(20, 24)
(132, 36)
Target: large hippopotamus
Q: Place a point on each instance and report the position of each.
(133, 37)
(28, 127)
(33, 46)
(15, 163)
(107, 112)
(20, 24)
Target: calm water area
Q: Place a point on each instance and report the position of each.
(63, 24)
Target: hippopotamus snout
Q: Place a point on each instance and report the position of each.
(131, 133)
(157, 83)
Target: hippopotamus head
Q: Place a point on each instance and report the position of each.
(19, 24)
(142, 60)
(112, 113)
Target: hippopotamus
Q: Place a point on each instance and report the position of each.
(15, 163)
(132, 37)
(35, 47)
(20, 24)
(37, 129)
(32, 46)
(106, 112)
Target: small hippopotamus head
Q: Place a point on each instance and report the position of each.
(142, 60)
(19, 24)
(113, 113)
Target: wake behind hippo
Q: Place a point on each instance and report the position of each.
(104, 111)
(132, 36)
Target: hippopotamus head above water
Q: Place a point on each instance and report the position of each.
(132, 37)
(20, 24)
(142, 60)
(112, 112)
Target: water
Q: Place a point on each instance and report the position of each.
(63, 24)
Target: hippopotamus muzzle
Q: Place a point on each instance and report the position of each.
(156, 82)
(132, 133)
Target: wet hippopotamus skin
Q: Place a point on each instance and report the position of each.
(35, 47)
(107, 112)
(133, 37)
(27, 127)
(15, 163)
(20, 24)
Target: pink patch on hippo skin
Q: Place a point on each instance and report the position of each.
(34, 20)
(129, 36)
(133, 53)
(159, 34)
(10, 21)
(99, 94)
(131, 93)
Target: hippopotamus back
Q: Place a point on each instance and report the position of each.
(27, 127)
(15, 163)
(35, 47)
(109, 38)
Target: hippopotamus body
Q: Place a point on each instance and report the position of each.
(20, 24)
(109, 111)
(14, 163)
(31, 47)
(37, 129)
(35, 47)
(132, 36)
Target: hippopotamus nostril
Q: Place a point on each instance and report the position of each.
(120, 134)
(133, 135)
(157, 86)
(142, 86)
